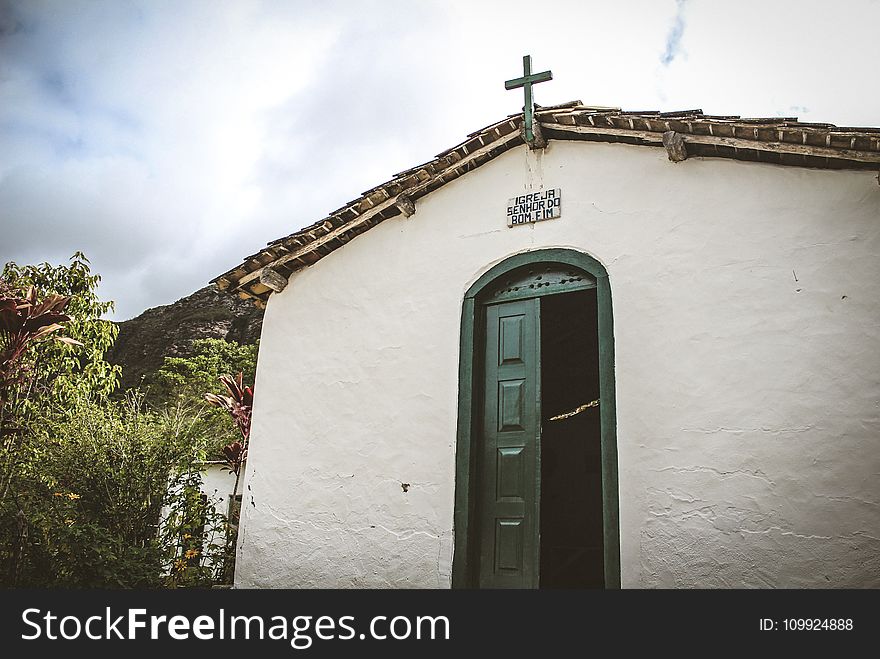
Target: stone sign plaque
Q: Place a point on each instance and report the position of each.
(534, 207)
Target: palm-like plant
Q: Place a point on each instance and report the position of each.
(24, 321)
(239, 403)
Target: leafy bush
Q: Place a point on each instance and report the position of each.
(184, 381)
(94, 492)
(107, 496)
(65, 370)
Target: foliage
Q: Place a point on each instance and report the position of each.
(38, 372)
(23, 323)
(183, 380)
(65, 370)
(193, 536)
(99, 493)
(191, 376)
(94, 488)
(239, 404)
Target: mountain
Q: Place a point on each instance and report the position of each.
(169, 331)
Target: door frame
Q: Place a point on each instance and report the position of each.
(465, 560)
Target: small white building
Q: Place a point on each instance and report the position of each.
(208, 535)
(217, 483)
(710, 281)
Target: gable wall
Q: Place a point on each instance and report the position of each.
(747, 400)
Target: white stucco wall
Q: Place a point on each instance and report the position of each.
(747, 339)
(217, 484)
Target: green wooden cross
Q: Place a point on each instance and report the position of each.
(526, 82)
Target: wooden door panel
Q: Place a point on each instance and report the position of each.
(509, 456)
(509, 547)
(511, 404)
(510, 340)
(511, 476)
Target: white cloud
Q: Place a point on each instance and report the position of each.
(673, 39)
(168, 140)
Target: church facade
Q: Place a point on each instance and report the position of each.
(641, 351)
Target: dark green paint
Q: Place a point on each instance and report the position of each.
(466, 558)
(509, 455)
(526, 81)
(537, 280)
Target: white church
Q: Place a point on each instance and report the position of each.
(584, 348)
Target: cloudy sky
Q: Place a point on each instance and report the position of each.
(167, 140)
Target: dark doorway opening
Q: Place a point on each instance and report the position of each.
(572, 544)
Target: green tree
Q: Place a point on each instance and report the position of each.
(225, 419)
(64, 370)
(197, 373)
(25, 321)
(184, 380)
(45, 375)
(102, 493)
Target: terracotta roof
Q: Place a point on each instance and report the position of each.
(778, 140)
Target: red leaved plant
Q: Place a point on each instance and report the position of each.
(239, 404)
(23, 322)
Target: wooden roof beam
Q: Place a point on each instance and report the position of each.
(717, 140)
(273, 279)
(406, 205)
(674, 144)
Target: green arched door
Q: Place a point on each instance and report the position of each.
(503, 415)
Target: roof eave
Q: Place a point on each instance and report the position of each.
(781, 141)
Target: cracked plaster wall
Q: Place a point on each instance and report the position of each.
(747, 343)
